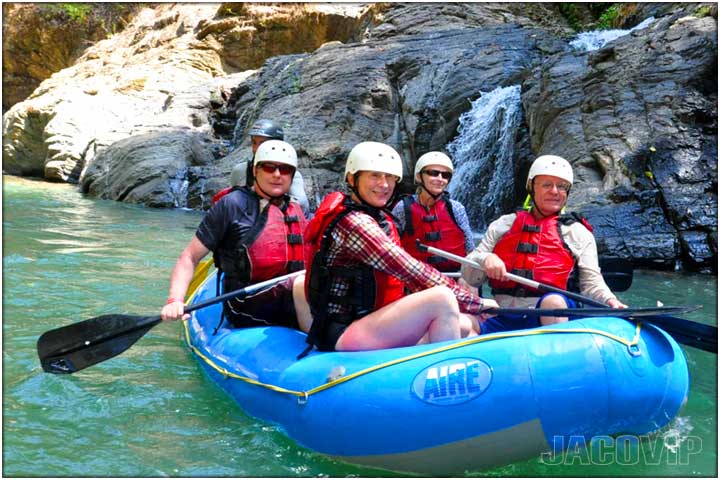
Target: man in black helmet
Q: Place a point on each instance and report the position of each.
(261, 131)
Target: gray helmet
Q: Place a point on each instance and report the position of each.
(267, 128)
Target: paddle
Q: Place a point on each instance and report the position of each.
(594, 312)
(687, 332)
(73, 347)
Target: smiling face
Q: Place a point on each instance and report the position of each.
(270, 181)
(376, 188)
(550, 194)
(432, 177)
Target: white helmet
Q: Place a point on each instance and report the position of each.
(550, 165)
(276, 151)
(433, 158)
(374, 157)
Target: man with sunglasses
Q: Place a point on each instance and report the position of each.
(262, 131)
(357, 271)
(432, 217)
(255, 234)
(543, 244)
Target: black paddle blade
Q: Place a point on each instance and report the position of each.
(73, 347)
(693, 334)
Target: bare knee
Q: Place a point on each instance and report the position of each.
(442, 298)
(302, 308)
(553, 301)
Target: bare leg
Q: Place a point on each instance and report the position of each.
(406, 321)
(553, 301)
(302, 307)
(469, 325)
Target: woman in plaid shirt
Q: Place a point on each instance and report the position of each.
(358, 272)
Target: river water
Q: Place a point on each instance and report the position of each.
(152, 412)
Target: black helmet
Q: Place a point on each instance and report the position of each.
(267, 128)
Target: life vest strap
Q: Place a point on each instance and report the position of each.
(433, 236)
(430, 218)
(531, 228)
(523, 272)
(524, 247)
(295, 265)
(294, 239)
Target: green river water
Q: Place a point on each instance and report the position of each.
(152, 412)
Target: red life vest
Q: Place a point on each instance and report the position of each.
(261, 244)
(436, 227)
(278, 247)
(533, 249)
(370, 289)
(221, 194)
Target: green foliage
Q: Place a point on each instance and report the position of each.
(296, 84)
(569, 11)
(703, 11)
(78, 12)
(608, 17)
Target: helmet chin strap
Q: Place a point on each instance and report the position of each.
(434, 196)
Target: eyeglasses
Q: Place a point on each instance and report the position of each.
(562, 187)
(271, 167)
(435, 173)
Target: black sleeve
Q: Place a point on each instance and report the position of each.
(211, 230)
(228, 220)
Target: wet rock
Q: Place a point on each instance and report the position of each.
(640, 113)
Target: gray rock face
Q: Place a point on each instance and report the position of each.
(159, 118)
(408, 92)
(638, 120)
(166, 71)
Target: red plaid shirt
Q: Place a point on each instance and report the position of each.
(358, 239)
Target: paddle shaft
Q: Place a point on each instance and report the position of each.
(247, 291)
(518, 279)
(690, 333)
(76, 346)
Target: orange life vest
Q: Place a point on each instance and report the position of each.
(435, 227)
(533, 249)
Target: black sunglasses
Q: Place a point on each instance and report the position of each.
(271, 167)
(435, 173)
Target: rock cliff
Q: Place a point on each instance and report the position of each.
(158, 113)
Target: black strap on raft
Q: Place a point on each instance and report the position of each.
(217, 294)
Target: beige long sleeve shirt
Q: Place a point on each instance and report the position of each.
(582, 246)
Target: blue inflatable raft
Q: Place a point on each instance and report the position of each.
(445, 408)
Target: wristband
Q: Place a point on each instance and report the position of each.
(173, 300)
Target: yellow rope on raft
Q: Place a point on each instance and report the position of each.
(470, 341)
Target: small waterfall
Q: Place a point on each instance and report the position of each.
(483, 153)
(178, 188)
(595, 40)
